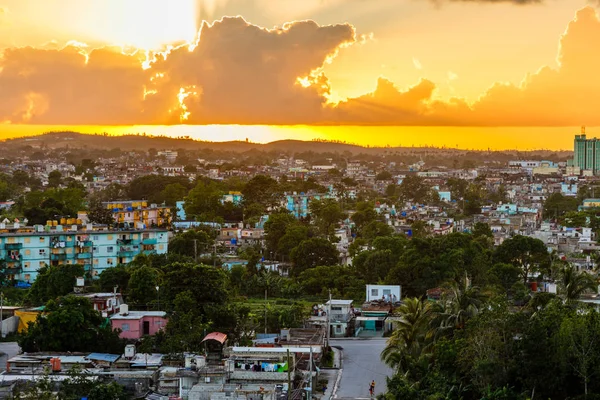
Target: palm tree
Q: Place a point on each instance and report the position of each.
(460, 303)
(411, 338)
(572, 283)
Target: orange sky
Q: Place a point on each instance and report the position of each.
(404, 63)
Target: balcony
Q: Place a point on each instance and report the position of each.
(149, 252)
(12, 270)
(13, 246)
(59, 250)
(58, 257)
(124, 242)
(84, 256)
(85, 243)
(149, 241)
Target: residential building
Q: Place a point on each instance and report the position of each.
(233, 197)
(135, 324)
(27, 249)
(378, 292)
(586, 153)
(169, 155)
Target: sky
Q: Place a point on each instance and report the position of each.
(468, 73)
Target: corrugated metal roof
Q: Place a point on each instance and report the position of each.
(218, 336)
(103, 357)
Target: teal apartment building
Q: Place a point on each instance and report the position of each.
(586, 153)
(25, 250)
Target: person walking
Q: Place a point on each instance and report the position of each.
(372, 388)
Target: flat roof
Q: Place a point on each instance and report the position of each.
(33, 232)
(340, 302)
(139, 314)
(273, 349)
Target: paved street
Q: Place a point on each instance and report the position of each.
(361, 364)
(7, 350)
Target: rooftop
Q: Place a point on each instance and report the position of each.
(139, 314)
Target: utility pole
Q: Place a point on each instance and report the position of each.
(310, 369)
(215, 255)
(328, 321)
(1, 312)
(115, 299)
(265, 311)
(289, 391)
(196, 250)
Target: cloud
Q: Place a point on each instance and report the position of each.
(70, 86)
(518, 2)
(240, 73)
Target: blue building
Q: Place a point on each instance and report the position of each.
(27, 249)
(298, 204)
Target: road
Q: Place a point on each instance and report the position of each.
(360, 365)
(7, 350)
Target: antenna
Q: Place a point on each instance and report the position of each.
(583, 130)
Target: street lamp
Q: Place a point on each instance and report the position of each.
(158, 296)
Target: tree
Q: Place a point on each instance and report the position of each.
(172, 193)
(87, 330)
(313, 252)
(414, 189)
(99, 213)
(276, 227)
(364, 214)
(410, 340)
(203, 201)
(54, 179)
(191, 243)
(53, 282)
(482, 229)
(580, 343)
(114, 277)
(107, 391)
(383, 176)
(327, 214)
(556, 205)
(527, 253)
(142, 286)
(572, 284)
(294, 234)
(262, 190)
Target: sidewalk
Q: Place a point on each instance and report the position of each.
(333, 376)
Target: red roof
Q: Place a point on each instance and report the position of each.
(218, 336)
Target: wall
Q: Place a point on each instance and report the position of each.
(394, 289)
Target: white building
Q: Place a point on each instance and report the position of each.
(379, 292)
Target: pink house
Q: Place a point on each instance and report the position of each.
(135, 324)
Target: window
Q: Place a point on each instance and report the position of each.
(374, 292)
(338, 328)
(42, 239)
(27, 240)
(125, 327)
(42, 252)
(109, 261)
(27, 252)
(95, 249)
(95, 238)
(26, 265)
(135, 235)
(109, 249)
(109, 237)
(69, 250)
(161, 246)
(69, 238)
(387, 292)
(27, 277)
(95, 261)
(42, 264)
(158, 323)
(336, 308)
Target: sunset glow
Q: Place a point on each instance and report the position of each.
(373, 74)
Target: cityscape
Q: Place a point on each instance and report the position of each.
(214, 200)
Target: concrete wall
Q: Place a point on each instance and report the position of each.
(9, 325)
